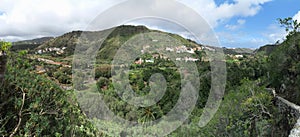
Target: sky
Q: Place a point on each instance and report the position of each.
(236, 23)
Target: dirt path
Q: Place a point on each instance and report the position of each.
(48, 61)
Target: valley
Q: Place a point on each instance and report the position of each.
(62, 87)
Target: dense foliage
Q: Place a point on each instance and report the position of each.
(32, 105)
(284, 63)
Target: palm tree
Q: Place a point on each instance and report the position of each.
(150, 114)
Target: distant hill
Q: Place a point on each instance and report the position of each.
(267, 49)
(29, 44)
(111, 44)
(68, 40)
(235, 51)
(71, 39)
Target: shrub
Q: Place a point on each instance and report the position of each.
(31, 105)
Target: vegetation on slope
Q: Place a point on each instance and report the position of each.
(284, 64)
(29, 44)
(33, 105)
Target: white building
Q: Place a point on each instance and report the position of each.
(239, 56)
(191, 51)
(190, 59)
(169, 49)
(149, 61)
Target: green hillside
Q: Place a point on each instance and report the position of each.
(116, 38)
(284, 61)
(29, 44)
(267, 49)
(37, 96)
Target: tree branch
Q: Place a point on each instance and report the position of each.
(20, 117)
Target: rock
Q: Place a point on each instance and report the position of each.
(295, 132)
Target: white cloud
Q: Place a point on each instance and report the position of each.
(297, 16)
(271, 35)
(241, 22)
(274, 33)
(24, 19)
(32, 18)
(238, 25)
(217, 14)
(241, 39)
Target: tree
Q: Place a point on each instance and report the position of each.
(103, 71)
(291, 26)
(283, 62)
(4, 47)
(102, 82)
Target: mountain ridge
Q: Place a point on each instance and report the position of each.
(30, 44)
(70, 39)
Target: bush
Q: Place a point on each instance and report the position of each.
(31, 105)
(102, 82)
(103, 71)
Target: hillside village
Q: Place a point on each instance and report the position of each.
(53, 61)
(57, 50)
(179, 50)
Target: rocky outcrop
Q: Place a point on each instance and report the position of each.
(295, 132)
(293, 109)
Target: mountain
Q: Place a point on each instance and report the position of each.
(267, 49)
(117, 37)
(235, 51)
(71, 39)
(68, 40)
(30, 44)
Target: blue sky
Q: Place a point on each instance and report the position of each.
(258, 26)
(237, 23)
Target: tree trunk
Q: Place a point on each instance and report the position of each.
(2, 68)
